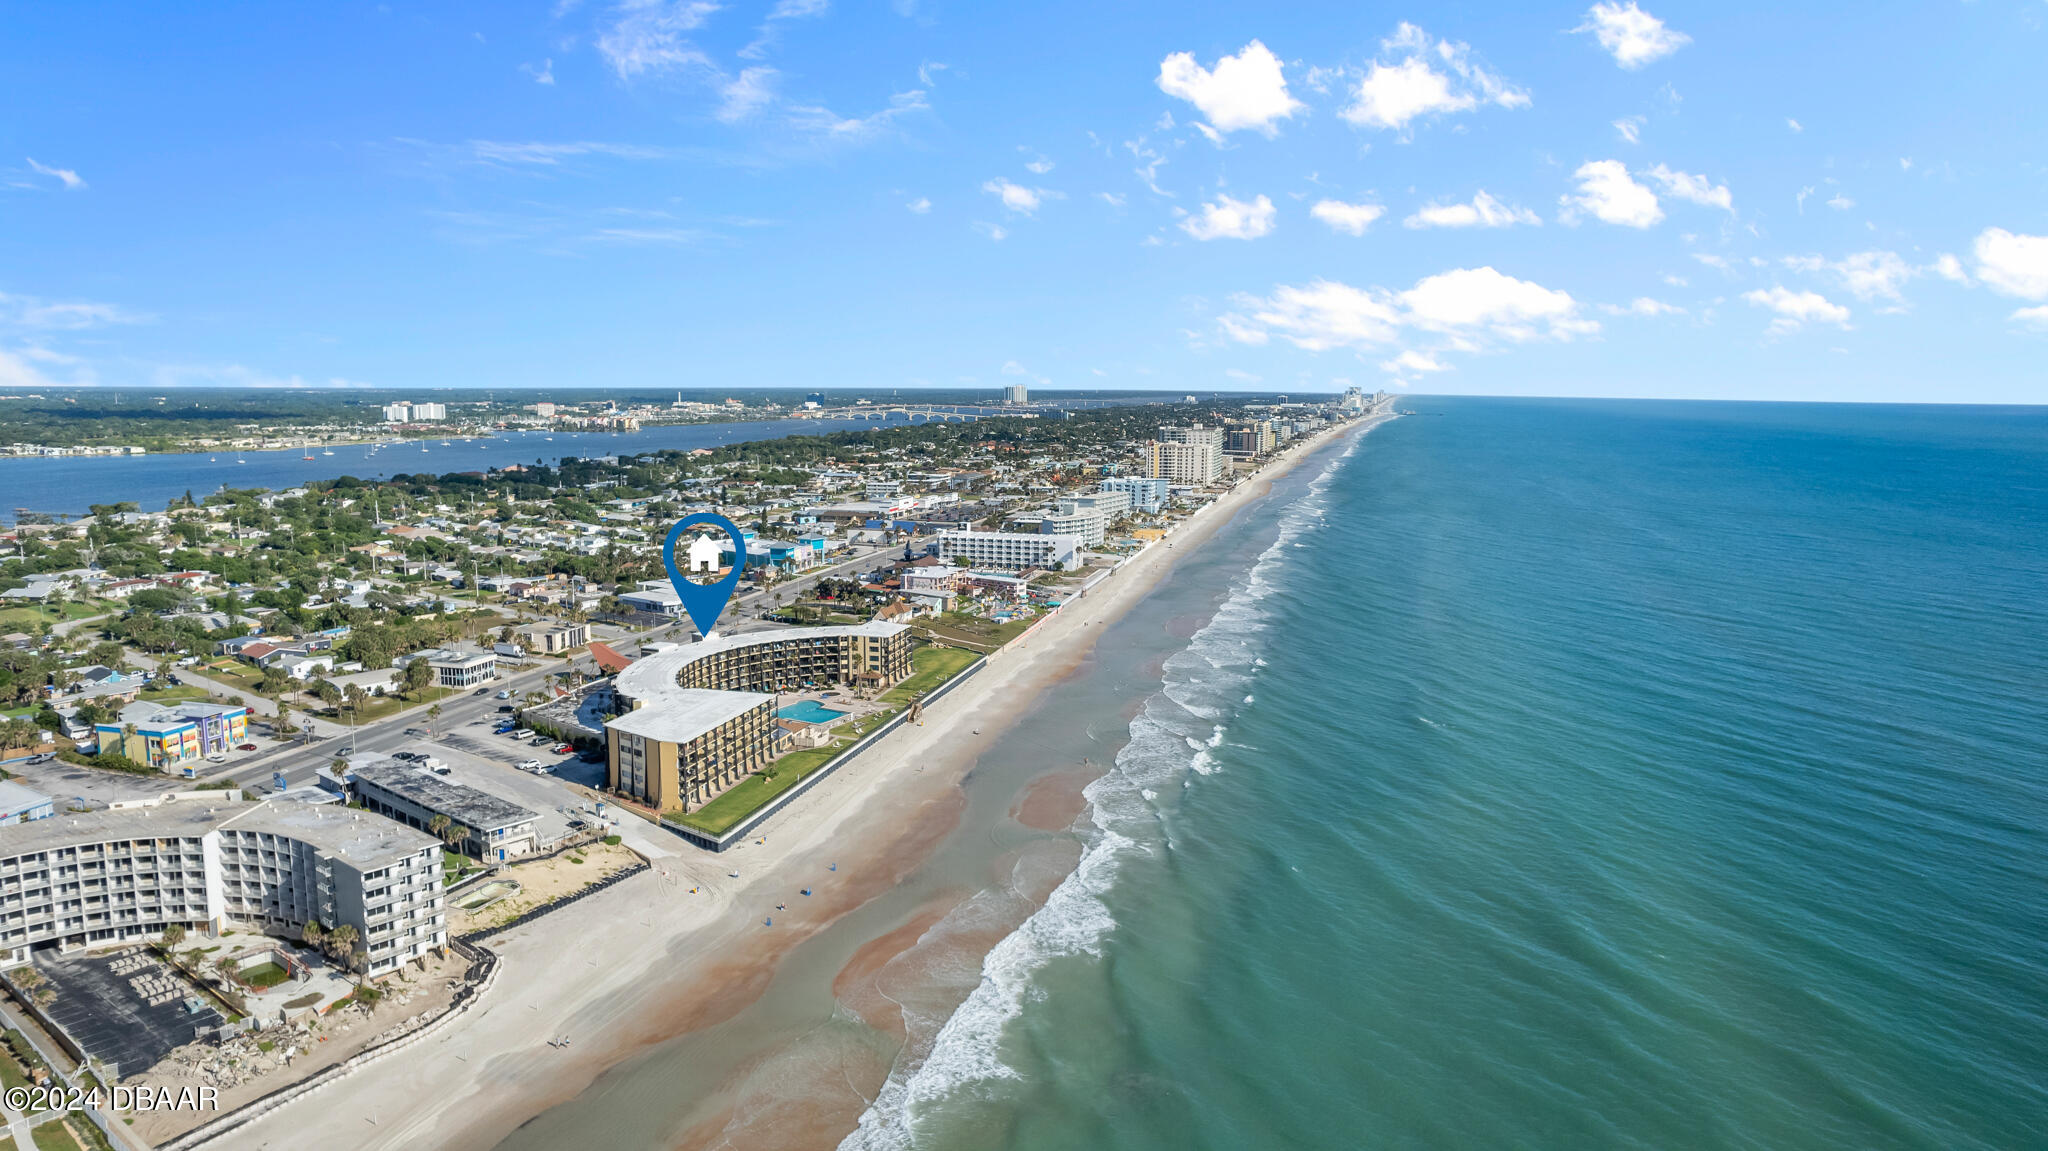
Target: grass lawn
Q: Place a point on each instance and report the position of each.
(984, 634)
(11, 1073)
(25, 618)
(747, 796)
(236, 675)
(931, 666)
(454, 867)
(172, 694)
(385, 706)
(53, 1136)
(264, 975)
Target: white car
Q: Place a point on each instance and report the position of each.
(528, 765)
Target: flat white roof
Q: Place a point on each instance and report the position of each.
(681, 714)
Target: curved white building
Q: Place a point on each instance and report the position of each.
(701, 716)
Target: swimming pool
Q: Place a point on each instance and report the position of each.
(809, 711)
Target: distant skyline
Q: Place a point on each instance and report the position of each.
(1661, 200)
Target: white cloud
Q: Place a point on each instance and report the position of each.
(1632, 36)
(68, 177)
(1482, 298)
(17, 372)
(824, 122)
(1397, 92)
(544, 74)
(798, 9)
(1841, 203)
(1113, 199)
(2012, 263)
(1795, 310)
(1412, 361)
(1232, 219)
(647, 37)
(1483, 212)
(1242, 375)
(994, 232)
(44, 315)
(2033, 317)
(543, 153)
(1950, 268)
(746, 94)
(1039, 167)
(1017, 197)
(1871, 275)
(1469, 305)
(1795, 125)
(1247, 90)
(921, 205)
(1630, 128)
(1800, 197)
(1645, 306)
(1351, 219)
(1698, 189)
(1606, 191)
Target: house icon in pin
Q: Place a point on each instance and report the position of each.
(703, 555)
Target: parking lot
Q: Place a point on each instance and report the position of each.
(127, 1007)
(479, 759)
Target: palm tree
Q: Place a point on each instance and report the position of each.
(341, 940)
(311, 934)
(439, 824)
(433, 713)
(456, 834)
(173, 936)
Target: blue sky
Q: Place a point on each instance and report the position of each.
(1773, 202)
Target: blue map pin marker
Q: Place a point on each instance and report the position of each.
(704, 601)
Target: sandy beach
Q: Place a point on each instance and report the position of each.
(687, 945)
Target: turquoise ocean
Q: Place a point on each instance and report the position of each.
(1566, 774)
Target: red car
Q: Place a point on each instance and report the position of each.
(246, 747)
(564, 749)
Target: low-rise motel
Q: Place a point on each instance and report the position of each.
(700, 717)
(200, 860)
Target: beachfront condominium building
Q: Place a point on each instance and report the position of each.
(1192, 465)
(1193, 434)
(497, 830)
(1255, 439)
(201, 861)
(699, 717)
(1016, 393)
(169, 736)
(398, 413)
(1009, 551)
(1148, 495)
(1086, 517)
(429, 412)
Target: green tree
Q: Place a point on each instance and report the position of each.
(418, 676)
(173, 936)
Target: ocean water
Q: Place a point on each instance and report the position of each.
(1566, 774)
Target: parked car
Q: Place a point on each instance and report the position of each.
(528, 765)
(520, 733)
(42, 757)
(504, 707)
(245, 747)
(564, 748)
(406, 756)
(174, 681)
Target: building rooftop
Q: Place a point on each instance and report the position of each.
(15, 799)
(681, 714)
(363, 839)
(144, 714)
(476, 810)
(655, 674)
